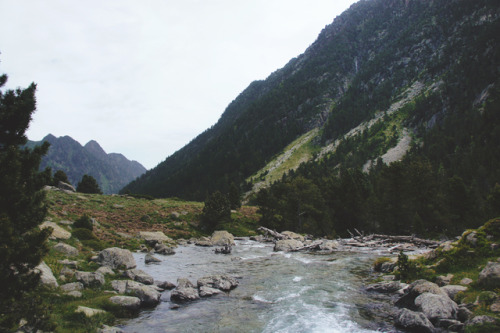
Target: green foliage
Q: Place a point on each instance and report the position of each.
(407, 269)
(60, 176)
(83, 234)
(216, 210)
(22, 209)
(88, 184)
(84, 222)
(234, 196)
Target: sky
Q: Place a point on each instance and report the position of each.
(145, 77)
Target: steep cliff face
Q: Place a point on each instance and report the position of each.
(360, 65)
(112, 171)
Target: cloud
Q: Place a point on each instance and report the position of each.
(143, 78)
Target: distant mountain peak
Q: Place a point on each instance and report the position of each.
(95, 149)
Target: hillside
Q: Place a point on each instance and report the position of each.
(362, 65)
(112, 171)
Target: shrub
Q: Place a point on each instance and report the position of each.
(83, 234)
(84, 222)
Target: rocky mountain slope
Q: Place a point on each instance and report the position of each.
(366, 71)
(112, 171)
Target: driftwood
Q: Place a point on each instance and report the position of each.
(273, 233)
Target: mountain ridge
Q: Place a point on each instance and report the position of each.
(112, 171)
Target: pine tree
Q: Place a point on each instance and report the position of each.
(60, 176)
(22, 209)
(216, 210)
(88, 184)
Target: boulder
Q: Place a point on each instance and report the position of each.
(384, 287)
(293, 235)
(65, 186)
(115, 257)
(154, 237)
(481, 320)
(119, 285)
(57, 232)
(490, 275)
(88, 312)
(151, 259)
(72, 286)
(416, 289)
(464, 313)
(66, 249)
(414, 321)
(452, 290)
(466, 281)
(148, 295)
(163, 249)
(329, 245)
(287, 245)
(203, 241)
(221, 238)
(222, 282)
(470, 238)
(139, 276)
(126, 302)
(436, 307)
(47, 278)
(90, 279)
(184, 292)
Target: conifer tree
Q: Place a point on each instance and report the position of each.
(88, 184)
(22, 209)
(60, 176)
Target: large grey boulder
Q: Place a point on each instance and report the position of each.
(203, 241)
(127, 302)
(328, 245)
(221, 238)
(47, 278)
(416, 289)
(287, 245)
(90, 279)
(436, 307)
(66, 249)
(414, 321)
(139, 276)
(184, 292)
(148, 295)
(222, 282)
(115, 257)
(490, 275)
(119, 285)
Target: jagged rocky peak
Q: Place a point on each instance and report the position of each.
(95, 149)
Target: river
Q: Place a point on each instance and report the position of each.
(277, 292)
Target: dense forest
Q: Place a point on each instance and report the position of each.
(361, 65)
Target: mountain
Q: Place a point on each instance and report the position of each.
(415, 65)
(112, 171)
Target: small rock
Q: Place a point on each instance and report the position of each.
(105, 270)
(66, 249)
(481, 320)
(90, 279)
(207, 291)
(75, 293)
(47, 278)
(204, 241)
(384, 287)
(57, 232)
(67, 272)
(109, 329)
(148, 295)
(89, 312)
(151, 259)
(72, 286)
(184, 292)
(119, 285)
(163, 249)
(495, 307)
(464, 314)
(490, 275)
(165, 285)
(127, 302)
(153, 237)
(444, 280)
(139, 276)
(414, 321)
(453, 290)
(466, 281)
(222, 282)
(69, 263)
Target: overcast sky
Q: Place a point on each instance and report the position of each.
(144, 77)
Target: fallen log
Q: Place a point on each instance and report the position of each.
(407, 239)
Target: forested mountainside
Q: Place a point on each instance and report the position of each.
(385, 71)
(112, 171)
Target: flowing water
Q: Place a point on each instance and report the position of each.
(278, 292)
